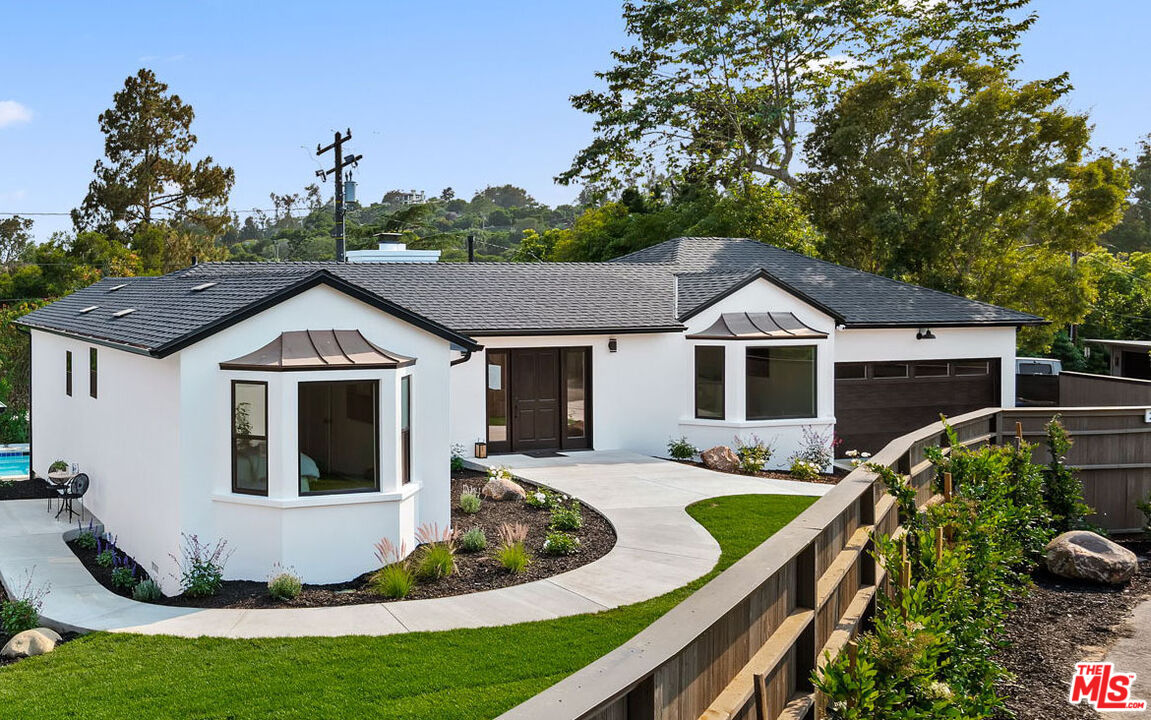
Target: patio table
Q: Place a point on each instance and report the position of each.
(59, 481)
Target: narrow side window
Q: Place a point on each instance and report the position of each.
(68, 372)
(92, 361)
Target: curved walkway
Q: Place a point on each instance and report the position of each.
(659, 548)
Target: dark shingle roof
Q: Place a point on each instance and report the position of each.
(649, 291)
(855, 298)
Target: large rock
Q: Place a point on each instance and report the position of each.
(1084, 555)
(31, 643)
(503, 488)
(720, 458)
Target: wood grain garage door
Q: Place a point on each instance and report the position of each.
(876, 402)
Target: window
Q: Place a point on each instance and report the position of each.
(92, 371)
(338, 440)
(406, 428)
(971, 367)
(709, 382)
(497, 399)
(850, 371)
(576, 397)
(780, 382)
(931, 369)
(68, 372)
(889, 370)
(249, 437)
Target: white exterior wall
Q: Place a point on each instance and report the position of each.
(126, 439)
(949, 344)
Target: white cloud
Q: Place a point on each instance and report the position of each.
(12, 113)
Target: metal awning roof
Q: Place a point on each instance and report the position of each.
(1136, 344)
(318, 350)
(758, 326)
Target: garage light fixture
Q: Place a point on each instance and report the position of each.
(924, 334)
(612, 345)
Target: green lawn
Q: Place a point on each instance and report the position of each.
(457, 674)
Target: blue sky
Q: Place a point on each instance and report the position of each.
(437, 94)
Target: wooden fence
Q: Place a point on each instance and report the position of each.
(1086, 389)
(744, 646)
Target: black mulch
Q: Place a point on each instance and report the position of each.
(476, 572)
(1061, 622)
(26, 490)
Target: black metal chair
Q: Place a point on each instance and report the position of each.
(76, 489)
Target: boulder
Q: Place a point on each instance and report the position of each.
(503, 488)
(720, 458)
(31, 643)
(1084, 555)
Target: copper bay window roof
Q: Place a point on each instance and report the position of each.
(758, 326)
(318, 350)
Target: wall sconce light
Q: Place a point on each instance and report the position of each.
(924, 334)
(481, 449)
(612, 345)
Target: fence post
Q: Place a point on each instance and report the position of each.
(806, 596)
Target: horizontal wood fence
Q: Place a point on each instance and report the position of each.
(743, 647)
(1086, 389)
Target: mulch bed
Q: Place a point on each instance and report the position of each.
(1058, 623)
(476, 572)
(32, 489)
(822, 479)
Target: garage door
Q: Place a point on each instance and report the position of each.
(876, 402)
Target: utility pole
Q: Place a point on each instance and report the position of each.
(338, 170)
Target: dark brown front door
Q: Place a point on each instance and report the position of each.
(535, 399)
(539, 399)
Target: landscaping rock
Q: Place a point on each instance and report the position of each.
(31, 643)
(720, 458)
(501, 488)
(1084, 555)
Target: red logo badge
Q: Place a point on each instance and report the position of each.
(1103, 688)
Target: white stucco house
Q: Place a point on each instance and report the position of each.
(303, 411)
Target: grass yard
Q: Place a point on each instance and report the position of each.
(456, 674)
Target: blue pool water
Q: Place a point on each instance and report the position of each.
(13, 465)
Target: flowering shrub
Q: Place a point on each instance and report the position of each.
(544, 499)
(22, 611)
(857, 458)
(804, 469)
(681, 449)
(284, 583)
(201, 565)
(437, 552)
(512, 554)
(567, 517)
(86, 540)
(395, 580)
(473, 540)
(561, 543)
(817, 448)
(146, 591)
(753, 454)
(457, 457)
(470, 501)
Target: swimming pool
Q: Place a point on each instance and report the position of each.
(13, 464)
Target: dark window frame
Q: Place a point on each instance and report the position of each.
(375, 436)
(405, 432)
(267, 450)
(722, 381)
(68, 372)
(93, 371)
(496, 446)
(814, 384)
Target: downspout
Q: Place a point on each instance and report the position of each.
(461, 360)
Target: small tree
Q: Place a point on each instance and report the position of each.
(1062, 489)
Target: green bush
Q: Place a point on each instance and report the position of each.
(436, 561)
(123, 578)
(394, 581)
(1062, 489)
(457, 462)
(514, 558)
(470, 501)
(146, 591)
(561, 543)
(202, 566)
(567, 517)
(803, 469)
(16, 616)
(106, 559)
(542, 498)
(473, 540)
(86, 540)
(681, 449)
(753, 454)
(284, 585)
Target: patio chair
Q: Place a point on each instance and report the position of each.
(76, 489)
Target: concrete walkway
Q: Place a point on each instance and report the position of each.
(659, 548)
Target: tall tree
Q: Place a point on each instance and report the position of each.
(1134, 232)
(146, 176)
(956, 176)
(15, 239)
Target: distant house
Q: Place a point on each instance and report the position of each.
(304, 410)
(1129, 358)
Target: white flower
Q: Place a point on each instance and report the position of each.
(540, 497)
(852, 453)
(866, 454)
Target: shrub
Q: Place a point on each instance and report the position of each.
(473, 540)
(457, 457)
(561, 543)
(817, 448)
(857, 458)
(1062, 489)
(511, 553)
(470, 501)
(681, 449)
(22, 611)
(804, 469)
(567, 517)
(58, 466)
(86, 540)
(146, 591)
(124, 577)
(284, 583)
(106, 558)
(753, 454)
(543, 499)
(394, 581)
(437, 552)
(201, 566)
